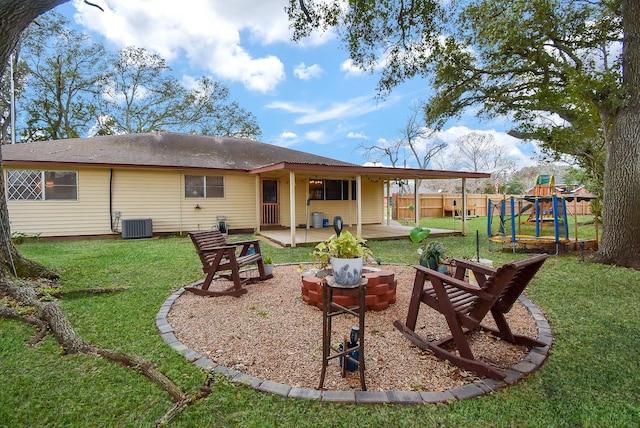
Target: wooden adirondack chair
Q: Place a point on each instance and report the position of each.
(225, 259)
(465, 305)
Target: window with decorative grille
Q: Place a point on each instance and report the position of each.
(36, 185)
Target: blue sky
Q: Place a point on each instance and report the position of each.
(306, 96)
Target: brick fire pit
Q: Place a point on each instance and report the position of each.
(380, 290)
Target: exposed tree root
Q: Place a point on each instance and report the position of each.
(26, 268)
(42, 328)
(205, 391)
(49, 317)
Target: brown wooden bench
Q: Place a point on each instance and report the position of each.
(465, 305)
(456, 211)
(224, 259)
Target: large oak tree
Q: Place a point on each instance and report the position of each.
(566, 71)
(15, 16)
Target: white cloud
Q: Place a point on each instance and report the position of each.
(289, 107)
(208, 32)
(351, 69)
(315, 136)
(302, 72)
(288, 135)
(517, 150)
(308, 115)
(357, 135)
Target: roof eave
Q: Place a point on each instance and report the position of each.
(391, 173)
(56, 164)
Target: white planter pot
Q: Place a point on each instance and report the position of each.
(347, 271)
(268, 269)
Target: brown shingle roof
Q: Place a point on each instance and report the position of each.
(161, 149)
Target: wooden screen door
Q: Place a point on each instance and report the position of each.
(270, 203)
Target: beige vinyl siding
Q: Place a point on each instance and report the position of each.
(373, 193)
(238, 205)
(285, 201)
(372, 201)
(159, 195)
(88, 215)
(153, 194)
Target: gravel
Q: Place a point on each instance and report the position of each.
(272, 334)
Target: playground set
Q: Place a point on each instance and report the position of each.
(545, 210)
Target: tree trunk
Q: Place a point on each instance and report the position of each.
(15, 16)
(10, 259)
(621, 212)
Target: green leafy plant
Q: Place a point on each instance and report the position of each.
(419, 235)
(433, 254)
(267, 259)
(345, 246)
(433, 250)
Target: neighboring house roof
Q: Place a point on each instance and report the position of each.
(161, 149)
(192, 151)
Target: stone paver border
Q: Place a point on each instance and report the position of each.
(531, 362)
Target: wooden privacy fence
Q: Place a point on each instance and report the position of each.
(438, 205)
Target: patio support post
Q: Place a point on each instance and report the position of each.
(416, 202)
(292, 206)
(359, 204)
(464, 207)
(308, 202)
(388, 202)
(258, 202)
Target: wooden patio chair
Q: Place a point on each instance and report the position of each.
(224, 259)
(465, 305)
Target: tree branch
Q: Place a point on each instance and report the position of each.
(50, 316)
(93, 4)
(303, 8)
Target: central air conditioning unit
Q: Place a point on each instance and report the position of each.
(137, 228)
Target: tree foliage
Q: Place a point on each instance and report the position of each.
(19, 80)
(76, 87)
(416, 144)
(478, 151)
(140, 95)
(64, 69)
(16, 15)
(558, 68)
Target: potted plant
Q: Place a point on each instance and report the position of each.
(433, 255)
(268, 264)
(418, 235)
(345, 253)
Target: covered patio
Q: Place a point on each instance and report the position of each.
(360, 200)
(373, 232)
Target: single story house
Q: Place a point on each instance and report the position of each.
(180, 182)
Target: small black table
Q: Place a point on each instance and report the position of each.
(329, 310)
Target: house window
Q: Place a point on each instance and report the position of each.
(203, 186)
(331, 190)
(25, 185)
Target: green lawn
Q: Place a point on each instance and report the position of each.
(591, 378)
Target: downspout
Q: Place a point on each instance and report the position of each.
(114, 223)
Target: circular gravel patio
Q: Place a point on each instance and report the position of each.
(269, 339)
